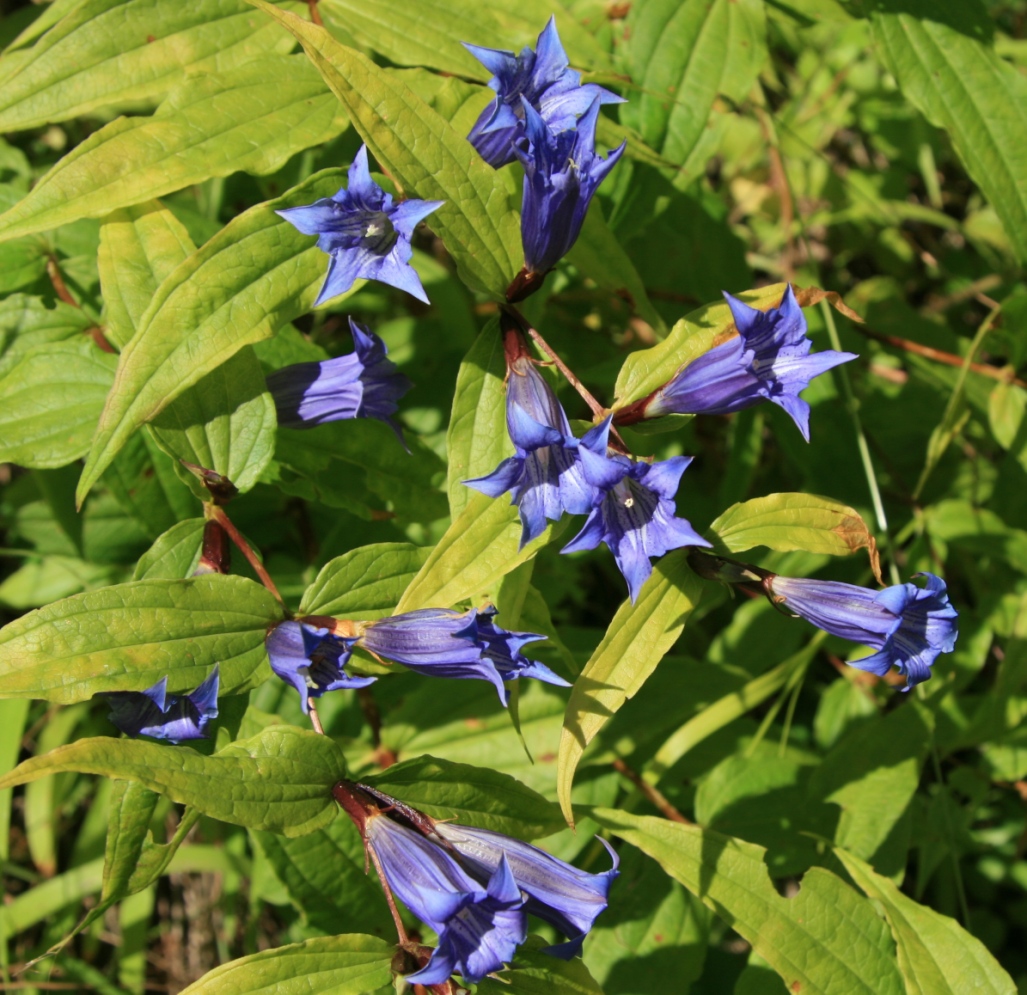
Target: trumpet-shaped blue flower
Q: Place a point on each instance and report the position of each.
(559, 893)
(363, 384)
(769, 360)
(909, 626)
(364, 232)
(479, 926)
(633, 508)
(155, 713)
(545, 81)
(561, 173)
(544, 477)
(439, 642)
(312, 659)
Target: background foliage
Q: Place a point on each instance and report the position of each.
(841, 837)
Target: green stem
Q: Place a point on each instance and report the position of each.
(852, 404)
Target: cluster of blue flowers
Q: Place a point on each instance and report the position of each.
(473, 887)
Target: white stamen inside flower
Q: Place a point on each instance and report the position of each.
(373, 229)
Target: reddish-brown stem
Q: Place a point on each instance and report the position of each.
(315, 14)
(61, 290)
(597, 408)
(652, 794)
(218, 514)
(216, 554)
(948, 358)
(400, 928)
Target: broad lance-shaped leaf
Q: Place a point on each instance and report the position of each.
(106, 53)
(51, 401)
(129, 636)
(139, 247)
(476, 552)
(280, 780)
(535, 972)
(424, 154)
(963, 85)
(472, 796)
(682, 57)
(252, 119)
(827, 939)
(251, 278)
(353, 964)
(477, 439)
(787, 522)
(937, 956)
(365, 583)
(637, 639)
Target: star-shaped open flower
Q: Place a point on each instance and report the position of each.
(312, 659)
(908, 626)
(363, 384)
(769, 360)
(440, 642)
(544, 79)
(155, 713)
(365, 233)
(544, 476)
(633, 508)
(561, 173)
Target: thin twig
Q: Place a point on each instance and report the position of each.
(61, 290)
(315, 719)
(218, 514)
(315, 14)
(597, 409)
(400, 928)
(948, 358)
(653, 794)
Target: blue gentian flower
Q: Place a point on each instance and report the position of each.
(312, 659)
(544, 477)
(363, 384)
(545, 82)
(769, 360)
(439, 642)
(633, 508)
(173, 717)
(364, 232)
(559, 893)
(479, 926)
(909, 626)
(561, 173)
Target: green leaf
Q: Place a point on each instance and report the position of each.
(477, 551)
(683, 55)
(787, 522)
(961, 84)
(174, 555)
(827, 939)
(280, 780)
(13, 714)
(225, 423)
(937, 956)
(251, 278)
(472, 796)
(51, 401)
(637, 639)
(872, 775)
(107, 53)
(422, 152)
(646, 370)
(533, 972)
(27, 323)
(477, 440)
(324, 875)
(332, 965)
(598, 254)
(253, 119)
(129, 636)
(131, 811)
(365, 583)
(139, 247)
